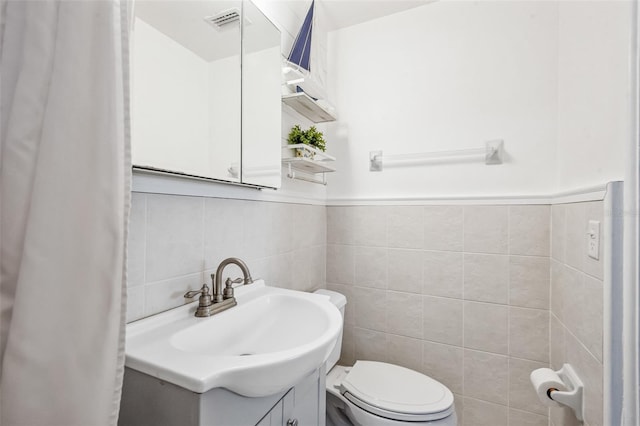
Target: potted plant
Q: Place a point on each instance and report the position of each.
(312, 137)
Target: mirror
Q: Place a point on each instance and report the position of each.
(261, 99)
(195, 110)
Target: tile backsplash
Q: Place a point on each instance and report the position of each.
(460, 293)
(576, 326)
(176, 242)
(475, 296)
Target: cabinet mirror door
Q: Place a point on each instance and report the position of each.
(186, 87)
(261, 99)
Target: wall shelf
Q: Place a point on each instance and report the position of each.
(307, 165)
(305, 105)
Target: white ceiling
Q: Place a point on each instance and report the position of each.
(344, 13)
(182, 20)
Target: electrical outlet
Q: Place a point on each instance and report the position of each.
(593, 239)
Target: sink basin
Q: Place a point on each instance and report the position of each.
(263, 346)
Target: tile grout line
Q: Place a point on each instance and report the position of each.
(202, 232)
(144, 256)
(464, 308)
(509, 317)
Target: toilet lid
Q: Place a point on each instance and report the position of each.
(396, 392)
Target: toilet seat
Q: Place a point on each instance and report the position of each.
(395, 392)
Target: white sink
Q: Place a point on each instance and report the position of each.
(263, 346)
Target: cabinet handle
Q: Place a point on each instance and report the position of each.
(293, 422)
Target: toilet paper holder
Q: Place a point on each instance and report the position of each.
(572, 398)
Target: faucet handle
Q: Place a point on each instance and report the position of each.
(228, 287)
(229, 281)
(205, 297)
(204, 302)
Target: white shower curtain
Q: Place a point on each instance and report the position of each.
(64, 202)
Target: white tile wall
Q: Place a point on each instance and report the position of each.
(529, 333)
(443, 274)
(445, 363)
(486, 376)
(176, 242)
(486, 327)
(475, 296)
(576, 323)
(404, 314)
(482, 413)
(443, 320)
(529, 282)
(529, 230)
(486, 278)
(405, 227)
(406, 351)
(460, 293)
(405, 270)
(524, 418)
(371, 266)
(443, 228)
(521, 393)
(486, 229)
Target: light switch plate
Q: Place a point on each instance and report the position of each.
(593, 239)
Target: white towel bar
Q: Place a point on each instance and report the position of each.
(492, 153)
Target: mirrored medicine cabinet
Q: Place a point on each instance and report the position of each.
(206, 91)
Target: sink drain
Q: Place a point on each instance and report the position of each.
(247, 354)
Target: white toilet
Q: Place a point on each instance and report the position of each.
(380, 394)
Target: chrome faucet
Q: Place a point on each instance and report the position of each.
(220, 300)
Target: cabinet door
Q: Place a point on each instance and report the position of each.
(261, 103)
(307, 405)
(275, 417)
(186, 88)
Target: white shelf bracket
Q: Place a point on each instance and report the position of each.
(293, 175)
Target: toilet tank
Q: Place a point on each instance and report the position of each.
(340, 301)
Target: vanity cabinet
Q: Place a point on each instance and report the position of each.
(147, 400)
(302, 405)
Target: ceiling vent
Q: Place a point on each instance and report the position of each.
(223, 19)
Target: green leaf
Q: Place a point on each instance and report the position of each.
(311, 137)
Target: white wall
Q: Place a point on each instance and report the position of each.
(550, 78)
(593, 92)
(448, 75)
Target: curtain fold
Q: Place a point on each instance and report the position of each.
(64, 202)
